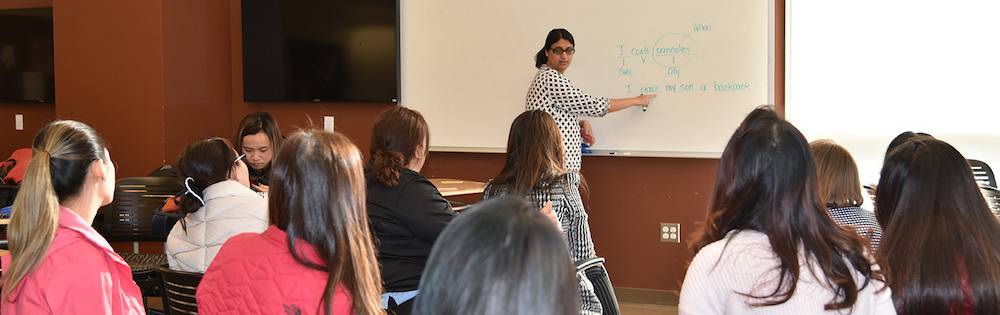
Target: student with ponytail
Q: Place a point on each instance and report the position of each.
(406, 211)
(217, 204)
(58, 264)
(317, 255)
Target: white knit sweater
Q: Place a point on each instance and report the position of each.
(721, 271)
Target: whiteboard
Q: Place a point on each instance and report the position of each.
(467, 66)
(928, 68)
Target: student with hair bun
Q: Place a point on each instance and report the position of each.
(217, 204)
(406, 211)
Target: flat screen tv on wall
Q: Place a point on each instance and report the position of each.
(321, 50)
(27, 71)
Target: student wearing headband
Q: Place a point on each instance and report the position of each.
(217, 204)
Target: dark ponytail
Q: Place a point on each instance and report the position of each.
(554, 36)
(386, 165)
(397, 133)
(206, 162)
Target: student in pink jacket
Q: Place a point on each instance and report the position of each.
(317, 256)
(58, 264)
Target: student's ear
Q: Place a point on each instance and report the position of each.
(421, 152)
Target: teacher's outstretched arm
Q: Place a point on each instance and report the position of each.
(618, 104)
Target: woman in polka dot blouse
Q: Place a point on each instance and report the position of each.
(555, 94)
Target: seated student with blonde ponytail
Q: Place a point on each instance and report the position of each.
(317, 256)
(406, 211)
(57, 263)
(218, 204)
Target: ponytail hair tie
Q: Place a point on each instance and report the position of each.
(190, 191)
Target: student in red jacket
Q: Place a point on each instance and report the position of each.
(58, 264)
(317, 256)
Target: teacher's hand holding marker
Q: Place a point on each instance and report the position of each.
(553, 93)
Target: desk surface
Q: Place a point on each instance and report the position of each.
(4, 221)
(455, 187)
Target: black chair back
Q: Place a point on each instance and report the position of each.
(129, 217)
(992, 196)
(179, 291)
(983, 173)
(594, 270)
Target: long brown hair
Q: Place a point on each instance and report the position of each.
(766, 182)
(534, 154)
(397, 133)
(937, 225)
(61, 155)
(839, 185)
(318, 195)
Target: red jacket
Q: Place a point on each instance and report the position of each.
(81, 274)
(256, 274)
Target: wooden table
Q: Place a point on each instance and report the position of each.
(455, 187)
(4, 221)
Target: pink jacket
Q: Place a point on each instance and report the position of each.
(256, 274)
(81, 274)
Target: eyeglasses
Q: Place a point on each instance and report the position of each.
(559, 51)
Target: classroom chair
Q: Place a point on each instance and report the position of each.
(594, 270)
(992, 196)
(983, 173)
(178, 289)
(129, 218)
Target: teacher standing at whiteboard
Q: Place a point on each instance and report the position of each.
(555, 94)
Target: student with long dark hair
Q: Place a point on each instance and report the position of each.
(217, 204)
(501, 256)
(258, 137)
(317, 256)
(406, 211)
(534, 169)
(840, 189)
(939, 251)
(767, 245)
(58, 264)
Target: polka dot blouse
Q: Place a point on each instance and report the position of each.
(553, 93)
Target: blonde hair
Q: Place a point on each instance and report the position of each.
(837, 175)
(62, 152)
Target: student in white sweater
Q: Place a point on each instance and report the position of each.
(218, 204)
(768, 246)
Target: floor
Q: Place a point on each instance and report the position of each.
(646, 302)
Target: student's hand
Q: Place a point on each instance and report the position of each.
(587, 132)
(547, 211)
(644, 99)
(261, 188)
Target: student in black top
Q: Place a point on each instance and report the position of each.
(406, 211)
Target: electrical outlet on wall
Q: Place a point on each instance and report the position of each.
(18, 122)
(670, 232)
(328, 123)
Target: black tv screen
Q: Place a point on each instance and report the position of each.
(320, 50)
(27, 63)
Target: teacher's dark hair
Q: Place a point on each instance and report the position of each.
(554, 36)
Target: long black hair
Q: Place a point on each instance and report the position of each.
(767, 183)
(554, 36)
(939, 250)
